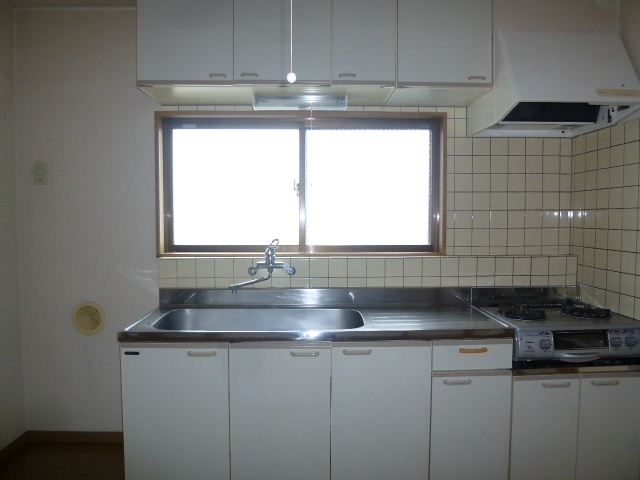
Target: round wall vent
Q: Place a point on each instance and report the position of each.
(88, 318)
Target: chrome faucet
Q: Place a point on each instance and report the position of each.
(269, 263)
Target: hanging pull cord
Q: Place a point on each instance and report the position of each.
(291, 77)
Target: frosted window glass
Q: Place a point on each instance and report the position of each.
(368, 187)
(235, 186)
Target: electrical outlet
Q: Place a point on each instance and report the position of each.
(40, 173)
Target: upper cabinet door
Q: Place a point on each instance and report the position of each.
(444, 41)
(185, 40)
(262, 33)
(364, 41)
(311, 40)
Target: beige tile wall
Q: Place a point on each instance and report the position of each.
(606, 216)
(507, 196)
(507, 216)
(404, 272)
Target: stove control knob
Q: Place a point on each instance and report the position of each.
(545, 344)
(616, 342)
(631, 341)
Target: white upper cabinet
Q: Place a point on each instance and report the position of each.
(185, 40)
(444, 41)
(364, 41)
(262, 31)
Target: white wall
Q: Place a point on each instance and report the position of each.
(576, 16)
(630, 30)
(90, 233)
(11, 387)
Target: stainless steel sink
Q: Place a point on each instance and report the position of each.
(259, 319)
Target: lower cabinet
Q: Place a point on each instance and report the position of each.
(470, 420)
(582, 427)
(175, 412)
(544, 427)
(341, 411)
(380, 399)
(280, 411)
(609, 427)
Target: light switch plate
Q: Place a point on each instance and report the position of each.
(40, 173)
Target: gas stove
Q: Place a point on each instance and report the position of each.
(553, 325)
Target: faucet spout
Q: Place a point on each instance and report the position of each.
(234, 288)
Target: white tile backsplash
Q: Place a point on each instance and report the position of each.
(604, 238)
(407, 272)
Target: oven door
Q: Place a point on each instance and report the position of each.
(580, 346)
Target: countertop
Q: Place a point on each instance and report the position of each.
(418, 316)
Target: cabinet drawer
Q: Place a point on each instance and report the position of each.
(486, 354)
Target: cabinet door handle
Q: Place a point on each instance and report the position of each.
(605, 383)
(195, 353)
(466, 381)
(304, 354)
(347, 351)
(249, 74)
(217, 75)
(477, 77)
(346, 75)
(473, 350)
(556, 384)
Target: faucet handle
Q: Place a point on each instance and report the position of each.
(274, 244)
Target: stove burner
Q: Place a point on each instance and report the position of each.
(521, 312)
(585, 311)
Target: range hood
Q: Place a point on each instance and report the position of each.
(556, 85)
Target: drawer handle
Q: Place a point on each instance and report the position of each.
(466, 381)
(249, 74)
(556, 384)
(346, 75)
(605, 383)
(217, 75)
(305, 354)
(192, 353)
(346, 351)
(477, 77)
(473, 350)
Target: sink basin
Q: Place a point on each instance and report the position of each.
(259, 319)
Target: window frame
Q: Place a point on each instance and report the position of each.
(436, 122)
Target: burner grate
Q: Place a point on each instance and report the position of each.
(585, 311)
(521, 312)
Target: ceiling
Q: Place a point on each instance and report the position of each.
(71, 3)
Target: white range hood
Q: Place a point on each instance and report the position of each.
(556, 85)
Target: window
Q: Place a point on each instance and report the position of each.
(329, 184)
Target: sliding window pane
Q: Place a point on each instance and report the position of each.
(368, 187)
(235, 186)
